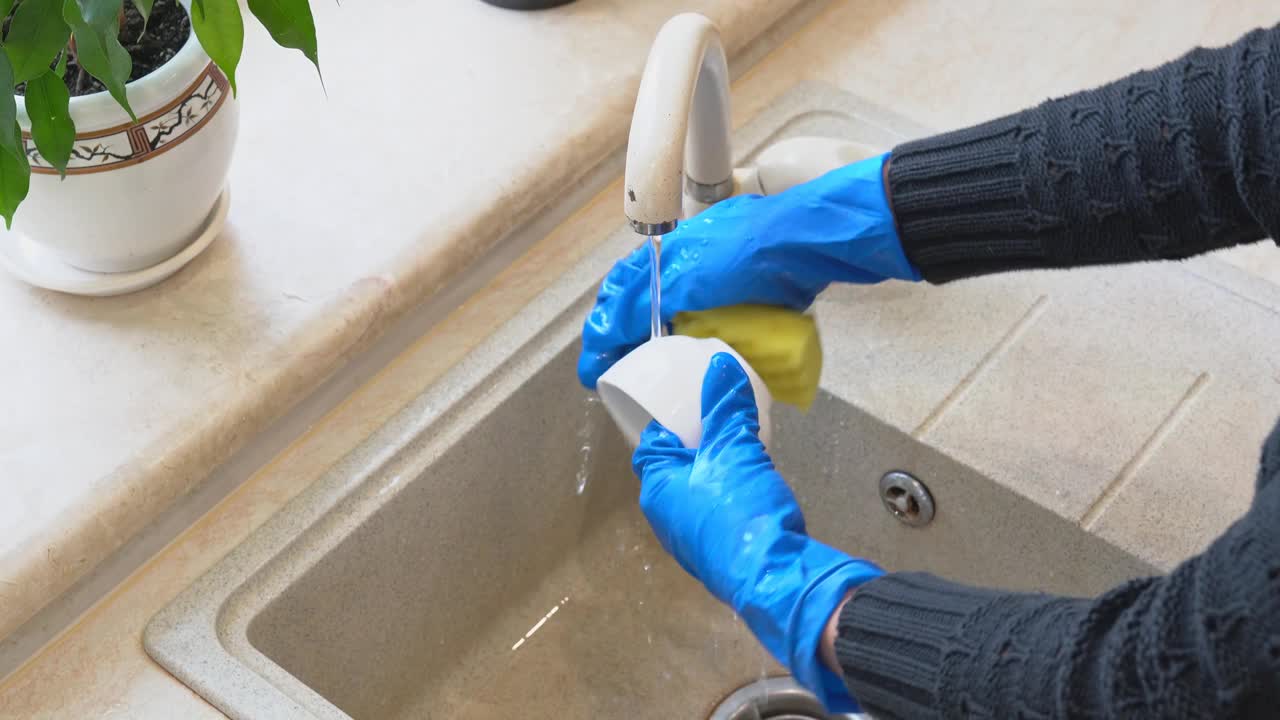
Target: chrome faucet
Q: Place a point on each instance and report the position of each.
(679, 140)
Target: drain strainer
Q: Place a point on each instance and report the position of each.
(778, 698)
(906, 498)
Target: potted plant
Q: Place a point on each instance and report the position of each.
(116, 140)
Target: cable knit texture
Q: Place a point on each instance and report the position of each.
(1201, 642)
(1163, 164)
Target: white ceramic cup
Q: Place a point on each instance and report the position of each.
(662, 380)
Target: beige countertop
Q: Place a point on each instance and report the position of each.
(256, 324)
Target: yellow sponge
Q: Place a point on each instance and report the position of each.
(781, 345)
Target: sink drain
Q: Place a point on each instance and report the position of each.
(772, 699)
(906, 498)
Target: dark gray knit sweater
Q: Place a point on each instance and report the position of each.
(1163, 164)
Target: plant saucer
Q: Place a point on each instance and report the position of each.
(40, 266)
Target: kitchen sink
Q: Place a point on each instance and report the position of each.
(483, 555)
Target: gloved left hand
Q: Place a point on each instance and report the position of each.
(777, 250)
(732, 522)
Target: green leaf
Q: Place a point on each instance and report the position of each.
(36, 35)
(61, 70)
(5, 7)
(220, 29)
(96, 25)
(15, 174)
(144, 7)
(8, 106)
(15, 171)
(48, 106)
(290, 24)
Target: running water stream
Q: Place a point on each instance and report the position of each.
(655, 286)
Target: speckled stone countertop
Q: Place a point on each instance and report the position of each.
(122, 405)
(348, 211)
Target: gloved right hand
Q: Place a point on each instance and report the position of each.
(731, 521)
(779, 249)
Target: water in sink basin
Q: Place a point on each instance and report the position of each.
(616, 630)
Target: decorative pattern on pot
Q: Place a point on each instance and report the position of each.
(154, 134)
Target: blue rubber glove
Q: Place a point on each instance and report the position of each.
(732, 522)
(779, 249)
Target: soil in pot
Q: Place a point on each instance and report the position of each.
(163, 36)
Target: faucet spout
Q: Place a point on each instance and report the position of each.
(680, 129)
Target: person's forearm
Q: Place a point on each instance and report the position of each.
(1167, 163)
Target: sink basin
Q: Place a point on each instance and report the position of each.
(482, 555)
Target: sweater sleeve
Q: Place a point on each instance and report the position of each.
(1163, 164)
(1203, 641)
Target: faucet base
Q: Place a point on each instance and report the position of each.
(653, 229)
(708, 194)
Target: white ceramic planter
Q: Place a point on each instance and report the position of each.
(136, 195)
